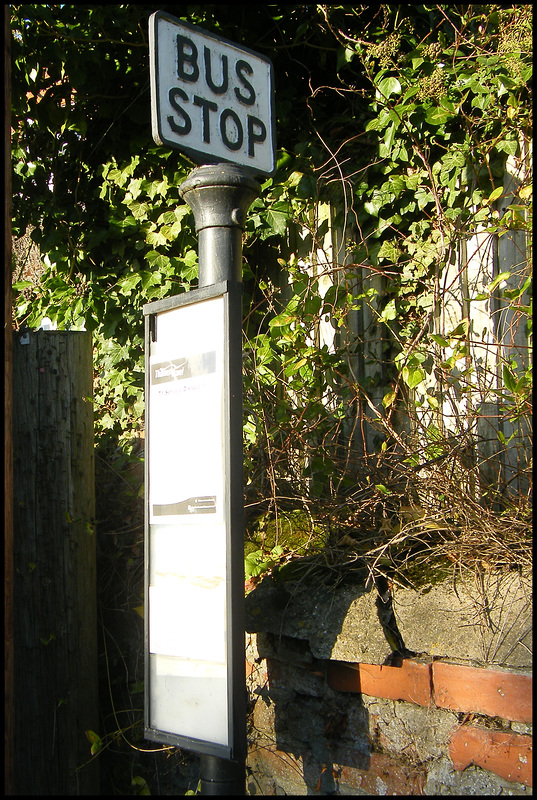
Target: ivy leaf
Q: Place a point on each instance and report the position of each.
(461, 330)
(344, 56)
(390, 252)
(388, 86)
(255, 564)
(294, 366)
(277, 221)
(438, 116)
(139, 210)
(281, 320)
(441, 340)
(389, 137)
(20, 285)
(156, 260)
(96, 742)
(389, 312)
(498, 191)
(389, 399)
(140, 786)
(380, 487)
(453, 159)
(509, 146)
(413, 376)
(156, 239)
(167, 218)
(128, 283)
(502, 277)
(509, 379)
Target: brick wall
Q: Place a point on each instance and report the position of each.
(419, 726)
(422, 727)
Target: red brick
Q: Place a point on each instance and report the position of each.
(377, 773)
(257, 670)
(483, 691)
(411, 681)
(508, 755)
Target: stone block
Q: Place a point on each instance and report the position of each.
(336, 715)
(284, 648)
(482, 623)
(309, 682)
(306, 719)
(341, 624)
(485, 622)
(358, 725)
(264, 719)
(443, 779)
(250, 645)
(377, 773)
(276, 772)
(418, 733)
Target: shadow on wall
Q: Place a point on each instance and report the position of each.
(305, 737)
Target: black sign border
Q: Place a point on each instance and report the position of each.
(232, 292)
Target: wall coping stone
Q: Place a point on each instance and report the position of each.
(487, 624)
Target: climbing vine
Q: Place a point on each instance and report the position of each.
(428, 171)
(412, 125)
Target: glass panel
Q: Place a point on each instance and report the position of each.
(187, 592)
(188, 704)
(186, 446)
(187, 532)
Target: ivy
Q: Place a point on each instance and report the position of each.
(401, 119)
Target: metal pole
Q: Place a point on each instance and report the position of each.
(220, 196)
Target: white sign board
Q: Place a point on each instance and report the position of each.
(210, 97)
(187, 601)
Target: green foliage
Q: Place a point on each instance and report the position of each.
(445, 111)
(437, 104)
(139, 785)
(401, 120)
(95, 741)
(258, 562)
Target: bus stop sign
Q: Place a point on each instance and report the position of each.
(210, 97)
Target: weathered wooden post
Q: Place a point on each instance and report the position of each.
(55, 617)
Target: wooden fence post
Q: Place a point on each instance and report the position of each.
(54, 615)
